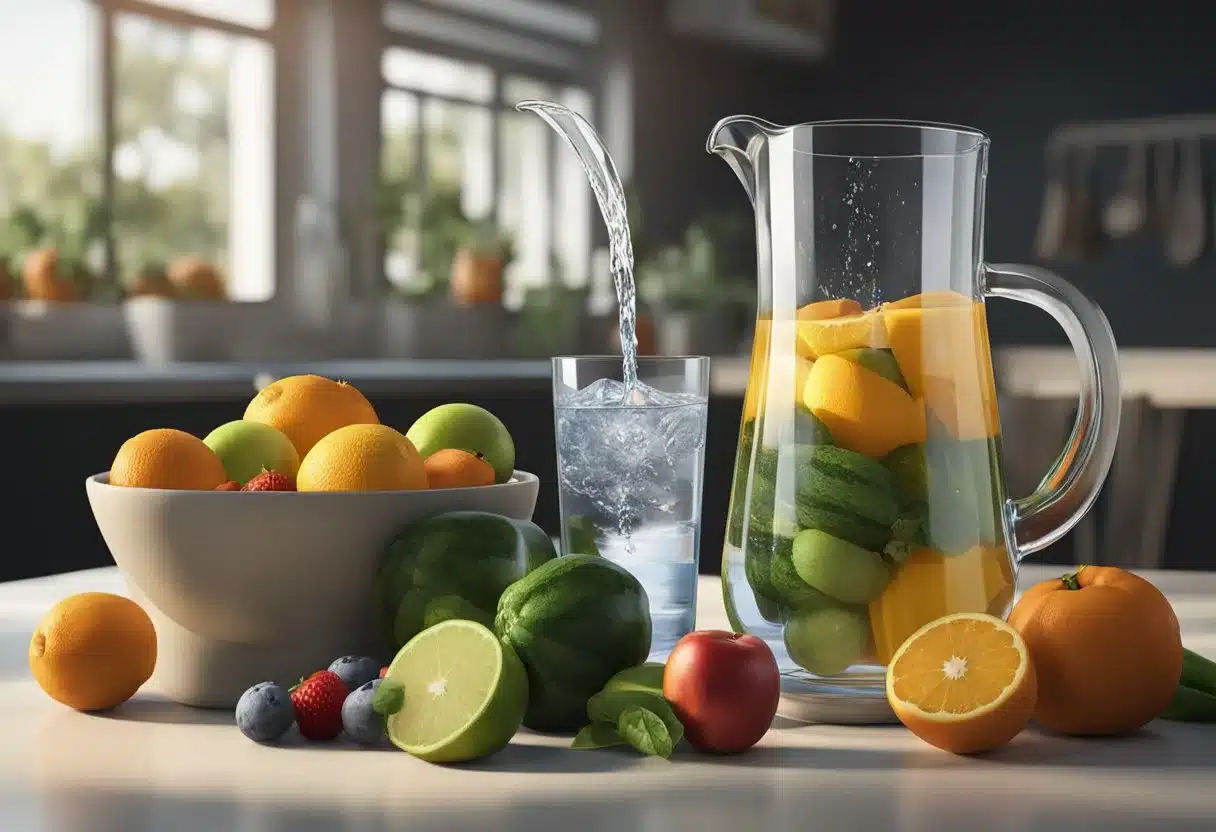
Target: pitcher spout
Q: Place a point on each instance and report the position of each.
(737, 139)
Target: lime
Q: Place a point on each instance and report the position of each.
(828, 639)
(465, 693)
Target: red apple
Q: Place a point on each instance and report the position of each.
(724, 688)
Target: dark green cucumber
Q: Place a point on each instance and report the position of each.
(847, 495)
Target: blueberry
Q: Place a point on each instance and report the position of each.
(356, 671)
(264, 712)
(359, 720)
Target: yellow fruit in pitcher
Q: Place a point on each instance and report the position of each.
(92, 651)
(821, 309)
(831, 335)
(362, 458)
(930, 299)
(930, 584)
(757, 372)
(864, 412)
(944, 355)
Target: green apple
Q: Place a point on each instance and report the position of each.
(465, 427)
(247, 447)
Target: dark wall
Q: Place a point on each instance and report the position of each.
(1014, 70)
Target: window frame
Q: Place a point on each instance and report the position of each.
(499, 66)
(108, 11)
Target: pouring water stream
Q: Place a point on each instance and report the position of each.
(610, 195)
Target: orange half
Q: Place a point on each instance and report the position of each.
(848, 332)
(963, 683)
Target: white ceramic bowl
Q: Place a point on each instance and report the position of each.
(245, 587)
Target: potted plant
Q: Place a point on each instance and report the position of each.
(449, 304)
(477, 268)
(65, 309)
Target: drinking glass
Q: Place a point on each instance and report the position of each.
(630, 466)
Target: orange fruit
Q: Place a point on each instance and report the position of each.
(308, 407)
(831, 335)
(945, 356)
(963, 683)
(362, 458)
(864, 411)
(93, 651)
(930, 584)
(453, 468)
(167, 458)
(1107, 648)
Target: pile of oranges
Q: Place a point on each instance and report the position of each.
(338, 440)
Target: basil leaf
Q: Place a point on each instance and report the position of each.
(389, 698)
(607, 706)
(597, 735)
(645, 731)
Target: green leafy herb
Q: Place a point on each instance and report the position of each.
(609, 705)
(645, 731)
(390, 696)
(598, 735)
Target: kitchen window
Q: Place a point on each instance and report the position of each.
(449, 129)
(190, 106)
(139, 131)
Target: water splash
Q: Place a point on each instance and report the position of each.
(610, 195)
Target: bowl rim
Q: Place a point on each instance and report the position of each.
(518, 478)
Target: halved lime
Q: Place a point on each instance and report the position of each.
(465, 693)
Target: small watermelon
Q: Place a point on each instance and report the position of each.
(454, 565)
(575, 622)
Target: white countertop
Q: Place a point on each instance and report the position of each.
(153, 766)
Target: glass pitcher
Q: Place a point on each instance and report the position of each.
(868, 497)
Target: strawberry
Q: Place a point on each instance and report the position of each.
(270, 481)
(383, 670)
(317, 702)
(231, 485)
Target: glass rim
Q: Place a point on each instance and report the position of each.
(980, 139)
(641, 359)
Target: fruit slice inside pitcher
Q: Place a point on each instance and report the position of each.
(867, 498)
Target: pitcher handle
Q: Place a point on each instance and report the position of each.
(1072, 485)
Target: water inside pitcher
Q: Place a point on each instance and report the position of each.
(867, 498)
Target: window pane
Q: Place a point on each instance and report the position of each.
(516, 89)
(525, 202)
(254, 13)
(438, 75)
(194, 152)
(399, 130)
(50, 136)
(459, 153)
